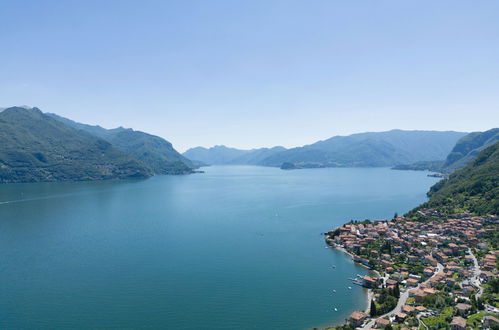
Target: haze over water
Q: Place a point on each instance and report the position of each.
(236, 247)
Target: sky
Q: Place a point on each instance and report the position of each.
(255, 73)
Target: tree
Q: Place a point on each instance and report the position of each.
(373, 311)
(479, 304)
(389, 327)
(473, 301)
(396, 291)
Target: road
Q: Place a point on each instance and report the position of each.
(403, 299)
(475, 279)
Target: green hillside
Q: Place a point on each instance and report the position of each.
(474, 188)
(155, 152)
(468, 147)
(35, 147)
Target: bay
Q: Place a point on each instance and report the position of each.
(238, 247)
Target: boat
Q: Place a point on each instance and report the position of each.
(336, 309)
(334, 291)
(349, 288)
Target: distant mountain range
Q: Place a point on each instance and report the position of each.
(222, 155)
(41, 147)
(389, 148)
(465, 150)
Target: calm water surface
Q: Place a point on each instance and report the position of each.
(236, 247)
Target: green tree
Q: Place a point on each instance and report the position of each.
(373, 311)
(479, 304)
(396, 291)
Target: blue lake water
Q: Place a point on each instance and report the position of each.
(238, 247)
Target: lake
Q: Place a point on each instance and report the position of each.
(235, 247)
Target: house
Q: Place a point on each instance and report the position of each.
(458, 323)
(416, 277)
(463, 309)
(382, 323)
(429, 291)
(487, 276)
(412, 282)
(468, 290)
(421, 309)
(390, 282)
(412, 258)
(429, 260)
(400, 317)
(357, 318)
(408, 309)
(490, 321)
(369, 282)
(386, 263)
(428, 271)
(419, 295)
(386, 257)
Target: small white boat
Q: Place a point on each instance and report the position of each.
(349, 288)
(334, 291)
(336, 309)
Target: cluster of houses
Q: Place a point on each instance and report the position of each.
(423, 258)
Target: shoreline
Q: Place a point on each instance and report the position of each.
(370, 292)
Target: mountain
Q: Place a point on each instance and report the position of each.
(370, 149)
(468, 147)
(217, 155)
(222, 155)
(463, 153)
(474, 188)
(155, 152)
(36, 147)
(256, 156)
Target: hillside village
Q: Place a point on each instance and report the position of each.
(432, 272)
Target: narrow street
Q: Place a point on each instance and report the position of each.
(475, 279)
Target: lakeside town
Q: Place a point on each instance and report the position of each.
(429, 271)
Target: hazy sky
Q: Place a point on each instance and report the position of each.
(255, 73)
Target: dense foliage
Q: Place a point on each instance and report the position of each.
(468, 147)
(154, 152)
(474, 188)
(465, 150)
(35, 147)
